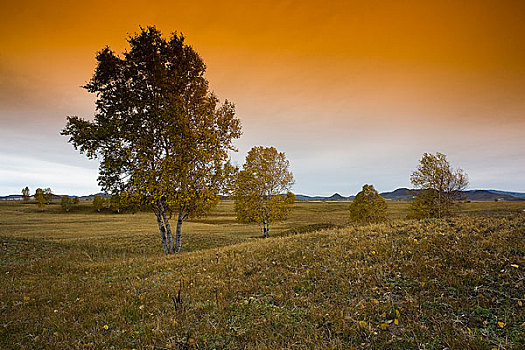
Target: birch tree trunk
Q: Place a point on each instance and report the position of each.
(169, 236)
(178, 231)
(162, 230)
(266, 228)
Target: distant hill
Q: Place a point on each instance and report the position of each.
(309, 198)
(91, 196)
(12, 197)
(336, 197)
(406, 194)
(18, 197)
(400, 194)
(514, 194)
(487, 195)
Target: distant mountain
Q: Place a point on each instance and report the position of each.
(91, 196)
(406, 194)
(334, 197)
(514, 194)
(400, 194)
(303, 197)
(488, 195)
(12, 197)
(18, 197)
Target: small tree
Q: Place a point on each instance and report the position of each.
(440, 186)
(261, 186)
(114, 203)
(48, 195)
(26, 194)
(40, 199)
(76, 200)
(368, 206)
(66, 203)
(98, 202)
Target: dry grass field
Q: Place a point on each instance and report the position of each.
(100, 281)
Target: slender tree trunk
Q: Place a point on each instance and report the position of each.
(179, 231)
(266, 228)
(162, 230)
(439, 204)
(169, 236)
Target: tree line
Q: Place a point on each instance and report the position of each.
(163, 140)
(44, 197)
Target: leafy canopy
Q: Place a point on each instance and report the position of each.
(48, 195)
(440, 186)
(67, 203)
(261, 186)
(40, 198)
(98, 202)
(162, 138)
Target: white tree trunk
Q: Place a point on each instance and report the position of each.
(178, 233)
(162, 230)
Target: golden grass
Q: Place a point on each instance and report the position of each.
(89, 280)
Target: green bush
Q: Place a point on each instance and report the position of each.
(368, 206)
(66, 203)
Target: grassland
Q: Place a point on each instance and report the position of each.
(99, 280)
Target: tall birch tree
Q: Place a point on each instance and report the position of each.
(262, 188)
(161, 136)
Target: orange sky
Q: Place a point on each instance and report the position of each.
(344, 88)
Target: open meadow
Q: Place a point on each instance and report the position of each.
(100, 280)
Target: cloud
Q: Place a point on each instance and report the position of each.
(19, 171)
